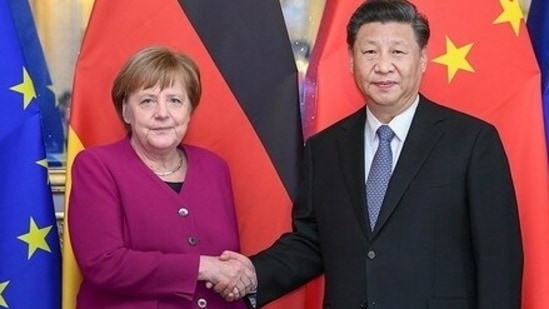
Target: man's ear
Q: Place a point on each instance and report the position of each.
(351, 60)
(423, 59)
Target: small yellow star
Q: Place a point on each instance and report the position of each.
(26, 88)
(3, 286)
(512, 13)
(43, 163)
(455, 58)
(50, 87)
(36, 238)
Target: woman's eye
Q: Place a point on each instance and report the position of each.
(146, 103)
(175, 103)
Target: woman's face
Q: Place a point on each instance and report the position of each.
(158, 118)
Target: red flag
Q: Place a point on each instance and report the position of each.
(249, 112)
(330, 92)
(482, 63)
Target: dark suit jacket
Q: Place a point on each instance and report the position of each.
(448, 232)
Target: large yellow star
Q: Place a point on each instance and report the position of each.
(512, 13)
(26, 88)
(3, 286)
(455, 58)
(36, 238)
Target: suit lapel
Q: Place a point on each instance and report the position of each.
(351, 158)
(421, 140)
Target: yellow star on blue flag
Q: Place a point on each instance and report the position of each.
(30, 267)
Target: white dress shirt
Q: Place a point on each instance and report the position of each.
(400, 126)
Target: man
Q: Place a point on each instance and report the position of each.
(433, 224)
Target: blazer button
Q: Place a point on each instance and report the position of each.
(183, 212)
(371, 254)
(202, 303)
(192, 240)
(363, 305)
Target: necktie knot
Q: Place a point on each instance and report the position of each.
(385, 133)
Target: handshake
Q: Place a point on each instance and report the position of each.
(232, 275)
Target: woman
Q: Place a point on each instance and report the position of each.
(147, 214)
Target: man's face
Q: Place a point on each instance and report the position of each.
(387, 64)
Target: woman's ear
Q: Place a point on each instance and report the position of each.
(125, 113)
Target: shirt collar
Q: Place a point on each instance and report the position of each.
(400, 124)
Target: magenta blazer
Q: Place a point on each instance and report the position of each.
(137, 241)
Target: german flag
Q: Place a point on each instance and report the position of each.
(482, 63)
(249, 113)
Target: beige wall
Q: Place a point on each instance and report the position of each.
(525, 4)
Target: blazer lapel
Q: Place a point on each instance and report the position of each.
(422, 138)
(351, 159)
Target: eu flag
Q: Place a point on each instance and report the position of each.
(30, 257)
(538, 27)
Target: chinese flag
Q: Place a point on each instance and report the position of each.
(482, 63)
(249, 112)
